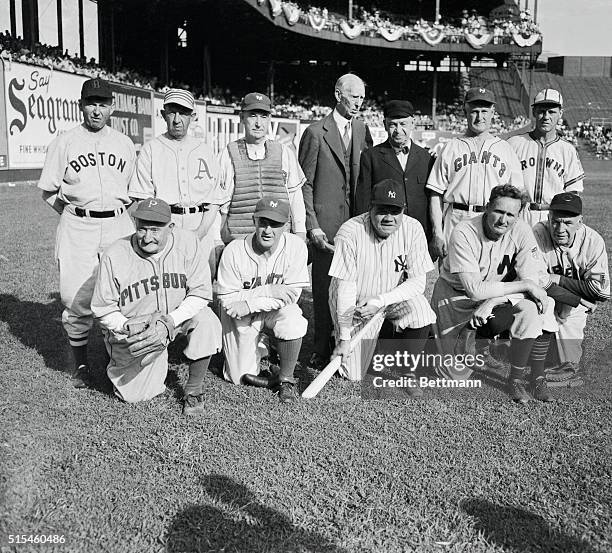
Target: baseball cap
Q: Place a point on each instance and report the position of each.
(275, 210)
(548, 96)
(181, 97)
(96, 88)
(153, 209)
(479, 94)
(568, 202)
(387, 192)
(398, 109)
(256, 100)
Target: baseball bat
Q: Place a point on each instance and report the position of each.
(330, 369)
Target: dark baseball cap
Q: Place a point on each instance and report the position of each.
(479, 94)
(275, 210)
(256, 101)
(387, 192)
(568, 202)
(98, 88)
(153, 209)
(398, 109)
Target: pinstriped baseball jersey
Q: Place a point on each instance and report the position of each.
(513, 257)
(548, 169)
(379, 265)
(243, 269)
(90, 170)
(470, 167)
(586, 259)
(182, 172)
(136, 285)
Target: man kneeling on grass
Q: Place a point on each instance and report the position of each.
(576, 257)
(260, 279)
(151, 287)
(490, 282)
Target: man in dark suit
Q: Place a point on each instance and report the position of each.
(329, 155)
(399, 159)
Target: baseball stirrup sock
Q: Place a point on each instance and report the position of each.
(538, 354)
(80, 354)
(195, 382)
(519, 351)
(288, 353)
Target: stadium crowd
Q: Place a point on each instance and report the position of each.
(598, 138)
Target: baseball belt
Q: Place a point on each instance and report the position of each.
(80, 212)
(180, 210)
(466, 207)
(539, 207)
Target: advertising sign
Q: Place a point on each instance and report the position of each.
(133, 114)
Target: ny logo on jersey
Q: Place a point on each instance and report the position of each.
(203, 170)
(391, 194)
(508, 266)
(401, 266)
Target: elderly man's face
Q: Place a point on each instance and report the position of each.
(178, 118)
(256, 124)
(479, 116)
(563, 227)
(546, 117)
(350, 97)
(500, 216)
(399, 130)
(385, 219)
(268, 233)
(152, 236)
(96, 112)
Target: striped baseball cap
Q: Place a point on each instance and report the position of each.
(181, 97)
(548, 96)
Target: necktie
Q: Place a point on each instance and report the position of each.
(403, 150)
(346, 137)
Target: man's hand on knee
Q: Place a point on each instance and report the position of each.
(238, 309)
(153, 339)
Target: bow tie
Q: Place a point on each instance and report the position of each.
(403, 150)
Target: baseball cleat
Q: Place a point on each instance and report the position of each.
(517, 391)
(79, 376)
(192, 405)
(286, 392)
(256, 380)
(540, 390)
(565, 371)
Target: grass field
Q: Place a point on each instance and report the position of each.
(458, 471)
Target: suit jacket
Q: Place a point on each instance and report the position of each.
(329, 191)
(381, 163)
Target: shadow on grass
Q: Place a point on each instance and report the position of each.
(233, 521)
(519, 530)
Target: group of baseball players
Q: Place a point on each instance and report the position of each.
(217, 249)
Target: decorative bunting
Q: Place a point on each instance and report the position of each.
(391, 34)
(351, 32)
(477, 41)
(276, 7)
(317, 22)
(432, 35)
(292, 13)
(523, 40)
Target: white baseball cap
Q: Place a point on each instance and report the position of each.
(181, 97)
(548, 96)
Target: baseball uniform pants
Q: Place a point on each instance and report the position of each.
(241, 337)
(454, 310)
(571, 321)
(133, 382)
(79, 243)
(414, 313)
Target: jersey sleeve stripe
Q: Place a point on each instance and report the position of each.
(570, 182)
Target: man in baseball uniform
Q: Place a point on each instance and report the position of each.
(577, 261)
(180, 169)
(85, 179)
(162, 273)
(380, 262)
(549, 163)
(253, 167)
(468, 168)
(260, 278)
(492, 281)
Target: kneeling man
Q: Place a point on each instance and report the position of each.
(151, 287)
(380, 262)
(576, 257)
(491, 280)
(260, 279)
